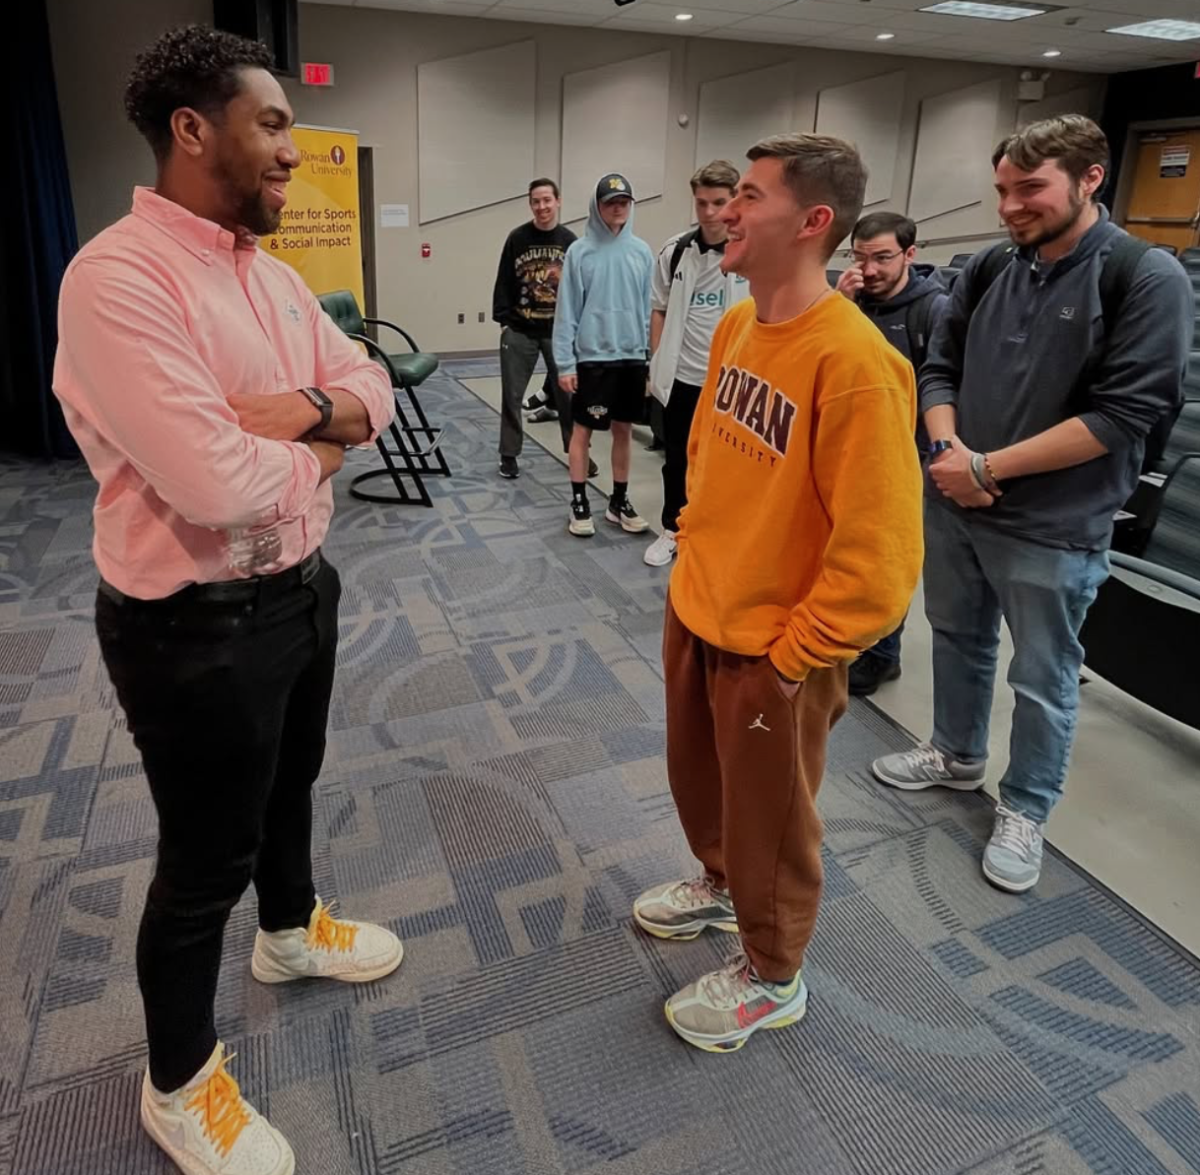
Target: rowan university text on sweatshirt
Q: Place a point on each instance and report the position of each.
(802, 536)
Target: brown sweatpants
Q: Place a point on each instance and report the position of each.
(745, 762)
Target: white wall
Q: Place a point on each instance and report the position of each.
(375, 54)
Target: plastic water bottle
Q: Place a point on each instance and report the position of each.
(254, 550)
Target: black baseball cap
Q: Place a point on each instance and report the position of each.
(611, 186)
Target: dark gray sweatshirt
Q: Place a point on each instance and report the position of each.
(1011, 370)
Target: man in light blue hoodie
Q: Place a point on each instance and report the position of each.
(602, 345)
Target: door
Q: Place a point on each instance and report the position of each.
(1164, 206)
(366, 212)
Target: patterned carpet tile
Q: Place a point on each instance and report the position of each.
(495, 790)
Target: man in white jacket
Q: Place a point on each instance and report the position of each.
(688, 295)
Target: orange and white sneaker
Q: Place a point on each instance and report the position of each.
(331, 948)
(208, 1128)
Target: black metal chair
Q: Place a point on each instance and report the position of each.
(417, 447)
(1143, 632)
(960, 259)
(949, 275)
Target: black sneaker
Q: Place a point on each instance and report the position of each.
(581, 523)
(868, 673)
(534, 402)
(593, 468)
(509, 468)
(623, 514)
(541, 415)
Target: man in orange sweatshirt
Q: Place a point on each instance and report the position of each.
(806, 417)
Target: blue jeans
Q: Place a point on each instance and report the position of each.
(974, 574)
(887, 649)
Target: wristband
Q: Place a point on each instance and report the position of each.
(981, 477)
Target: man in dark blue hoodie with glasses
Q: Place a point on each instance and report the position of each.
(905, 300)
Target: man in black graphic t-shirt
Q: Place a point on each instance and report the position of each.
(523, 303)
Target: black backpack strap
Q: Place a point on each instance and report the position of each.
(681, 247)
(918, 324)
(1116, 280)
(1116, 277)
(995, 262)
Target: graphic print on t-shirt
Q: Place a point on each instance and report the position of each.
(539, 270)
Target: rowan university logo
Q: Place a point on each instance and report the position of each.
(338, 156)
(762, 410)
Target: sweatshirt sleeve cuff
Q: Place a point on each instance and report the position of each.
(936, 396)
(1111, 436)
(784, 665)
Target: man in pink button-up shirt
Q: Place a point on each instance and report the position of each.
(213, 400)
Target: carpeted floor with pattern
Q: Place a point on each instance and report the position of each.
(495, 790)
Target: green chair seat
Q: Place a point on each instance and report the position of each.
(414, 368)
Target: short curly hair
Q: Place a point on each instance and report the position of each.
(191, 66)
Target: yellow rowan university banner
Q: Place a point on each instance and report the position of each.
(320, 235)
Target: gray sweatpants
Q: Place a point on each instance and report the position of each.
(518, 357)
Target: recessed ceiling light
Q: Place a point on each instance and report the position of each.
(984, 10)
(1162, 30)
(1052, 53)
(885, 36)
(683, 16)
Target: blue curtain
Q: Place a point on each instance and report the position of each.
(37, 235)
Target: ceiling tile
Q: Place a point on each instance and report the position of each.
(444, 7)
(664, 14)
(542, 16)
(826, 12)
(741, 7)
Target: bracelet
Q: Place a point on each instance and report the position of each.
(982, 475)
(979, 475)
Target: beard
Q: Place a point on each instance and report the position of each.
(1051, 232)
(246, 204)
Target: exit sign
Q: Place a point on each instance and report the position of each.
(317, 74)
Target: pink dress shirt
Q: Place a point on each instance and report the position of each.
(161, 317)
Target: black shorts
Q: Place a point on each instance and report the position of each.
(608, 392)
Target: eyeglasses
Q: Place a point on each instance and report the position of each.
(875, 258)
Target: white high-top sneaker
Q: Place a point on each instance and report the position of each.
(330, 948)
(208, 1128)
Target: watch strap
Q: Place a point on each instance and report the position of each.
(324, 404)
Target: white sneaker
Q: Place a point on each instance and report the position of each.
(660, 552)
(925, 766)
(1013, 857)
(354, 952)
(208, 1128)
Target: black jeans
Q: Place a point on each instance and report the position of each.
(677, 427)
(227, 697)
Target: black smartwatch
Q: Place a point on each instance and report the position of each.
(321, 401)
(937, 447)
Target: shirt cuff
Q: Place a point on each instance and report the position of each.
(306, 477)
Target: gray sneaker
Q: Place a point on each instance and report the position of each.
(682, 909)
(1013, 857)
(926, 766)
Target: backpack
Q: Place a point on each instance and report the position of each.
(1116, 278)
(918, 324)
(681, 247)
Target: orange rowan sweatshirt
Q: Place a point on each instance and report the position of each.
(802, 536)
